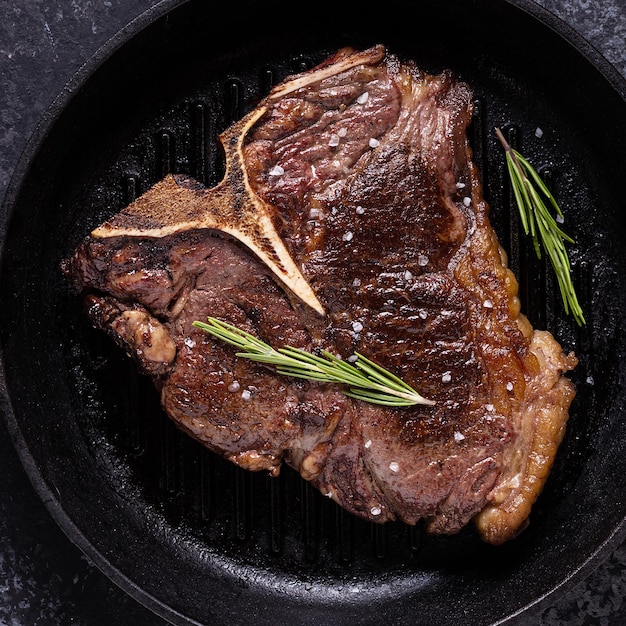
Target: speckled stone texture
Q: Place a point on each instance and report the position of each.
(44, 579)
(601, 22)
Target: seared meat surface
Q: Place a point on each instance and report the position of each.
(361, 169)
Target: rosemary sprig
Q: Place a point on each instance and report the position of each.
(531, 195)
(364, 379)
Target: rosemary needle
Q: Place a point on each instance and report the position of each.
(531, 195)
(363, 379)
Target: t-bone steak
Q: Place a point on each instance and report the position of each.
(350, 218)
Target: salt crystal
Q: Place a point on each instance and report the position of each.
(347, 236)
(356, 282)
(460, 185)
(374, 143)
(538, 132)
(467, 201)
(360, 210)
(509, 386)
(333, 141)
(246, 394)
(393, 466)
(408, 276)
(363, 98)
(277, 170)
(488, 304)
(234, 386)
(446, 377)
(368, 443)
(458, 437)
(375, 510)
(342, 132)
(357, 327)
(422, 260)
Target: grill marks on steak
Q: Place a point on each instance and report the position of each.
(364, 169)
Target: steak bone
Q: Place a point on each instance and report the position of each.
(178, 203)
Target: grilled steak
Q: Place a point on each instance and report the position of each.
(350, 218)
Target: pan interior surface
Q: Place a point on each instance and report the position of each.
(191, 536)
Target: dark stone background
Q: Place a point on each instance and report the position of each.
(44, 579)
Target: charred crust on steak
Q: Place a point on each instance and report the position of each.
(351, 187)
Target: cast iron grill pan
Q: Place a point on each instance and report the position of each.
(189, 535)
